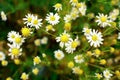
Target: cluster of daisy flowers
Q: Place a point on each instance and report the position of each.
(93, 36)
(69, 44)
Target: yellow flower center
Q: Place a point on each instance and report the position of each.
(35, 71)
(78, 5)
(29, 19)
(67, 26)
(97, 51)
(74, 44)
(9, 78)
(12, 36)
(94, 38)
(79, 57)
(15, 51)
(102, 61)
(52, 18)
(35, 21)
(1, 56)
(16, 61)
(74, 1)
(58, 55)
(58, 5)
(98, 76)
(25, 31)
(37, 60)
(49, 27)
(107, 73)
(18, 39)
(71, 64)
(78, 71)
(103, 19)
(4, 63)
(74, 15)
(64, 38)
(88, 31)
(24, 76)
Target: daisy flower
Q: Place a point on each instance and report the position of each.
(28, 18)
(71, 45)
(95, 38)
(4, 62)
(67, 26)
(11, 36)
(2, 56)
(18, 40)
(24, 76)
(3, 16)
(67, 18)
(36, 22)
(58, 7)
(86, 31)
(103, 20)
(77, 70)
(37, 42)
(63, 39)
(119, 35)
(36, 60)
(15, 51)
(107, 74)
(82, 11)
(73, 2)
(79, 58)
(113, 15)
(49, 28)
(44, 40)
(9, 78)
(26, 31)
(99, 76)
(35, 71)
(53, 19)
(74, 13)
(82, 8)
(96, 53)
(59, 54)
(70, 64)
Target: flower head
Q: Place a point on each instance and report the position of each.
(59, 54)
(15, 51)
(58, 7)
(79, 58)
(67, 18)
(86, 31)
(11, 36)
(28, 19)
(3, 16)
(82, 8)
(35, 71)
(53, 19)
(36, 22)
(107, 74)
(36, 60)
(99, 76)
(77, 70)
(73, 2)
(103, 20)
(24, 76)
(49, 28)
(95, 38)
(72, 45)
(26, 31)
(2, 56)
(63, 39)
